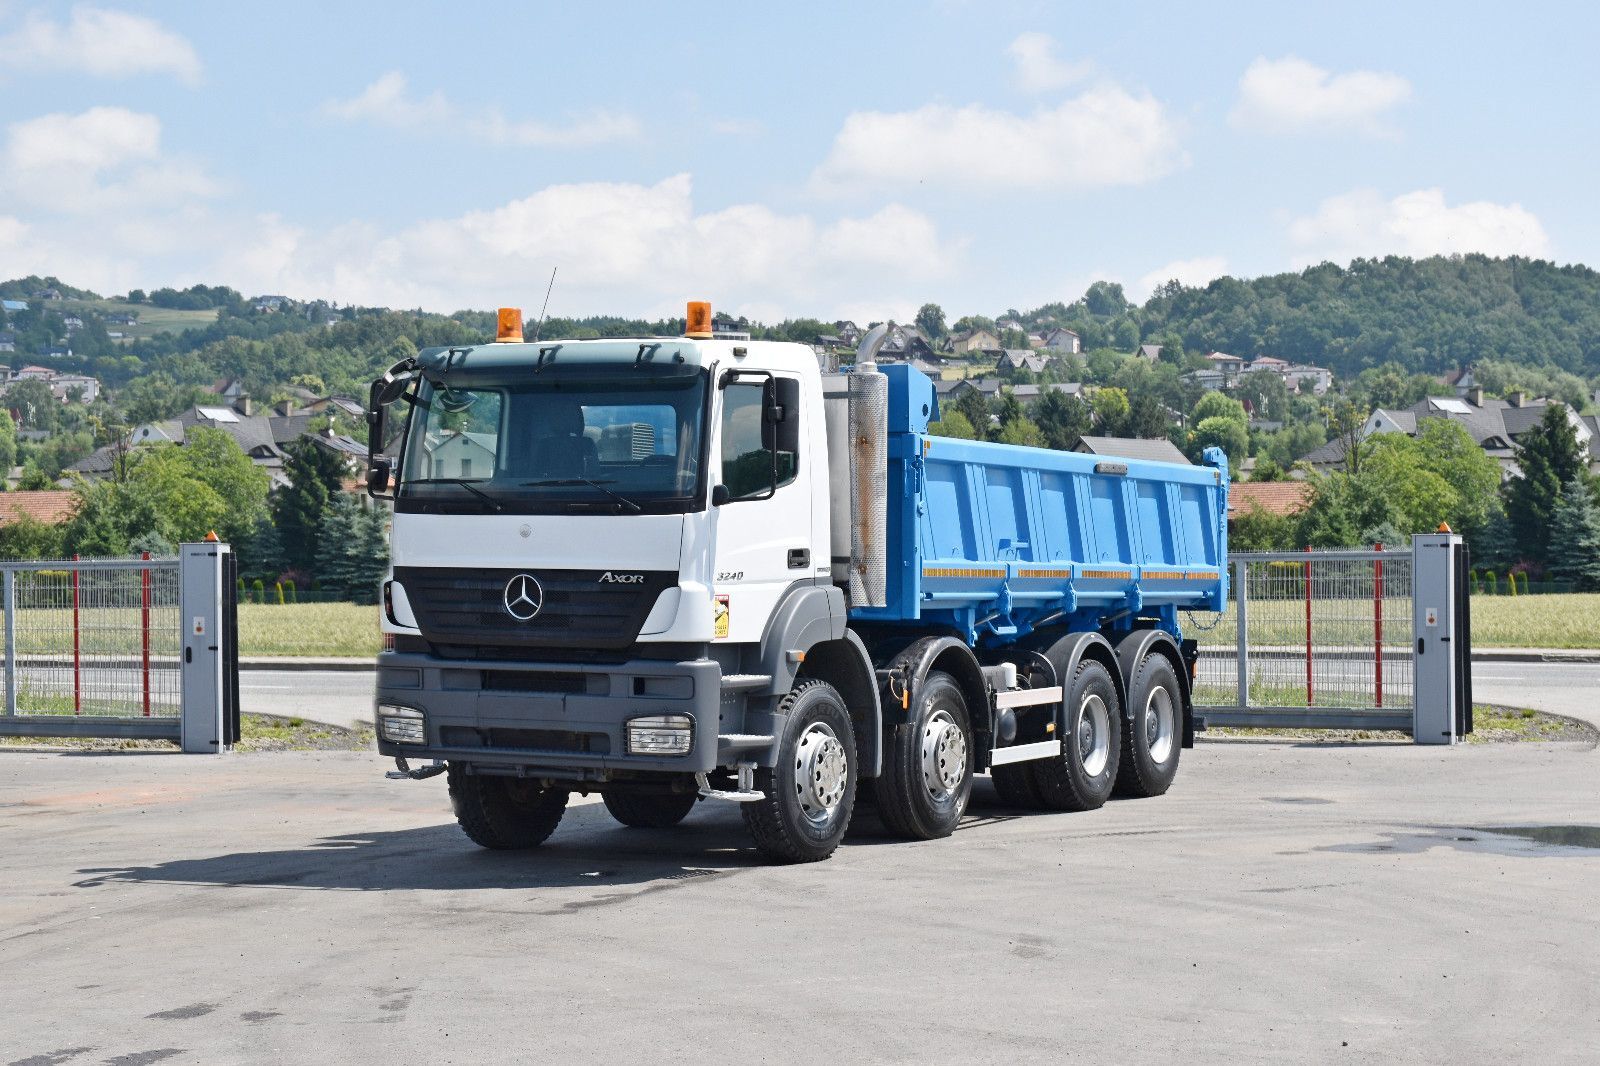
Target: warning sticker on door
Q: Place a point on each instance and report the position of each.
(719, 626)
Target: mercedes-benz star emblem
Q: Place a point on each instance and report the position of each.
(523, 597)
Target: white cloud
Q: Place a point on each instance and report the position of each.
(1291, 95)
(102, 159)
(1036, 68)
(102, 42)
(618, 245)
(1190, 272)
(1104, 136)
(1420, 223)
(388, 102)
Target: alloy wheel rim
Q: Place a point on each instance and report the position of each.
(1094, 735)
(944, 755)
(821, 772)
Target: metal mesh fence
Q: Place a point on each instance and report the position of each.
(100, 638)
(1322, 630)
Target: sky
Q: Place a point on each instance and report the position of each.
(823, 160)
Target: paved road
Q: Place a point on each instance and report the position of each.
(332, 696)
(1283, 903)
(345, 698)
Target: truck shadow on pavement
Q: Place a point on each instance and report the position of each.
(587, 850)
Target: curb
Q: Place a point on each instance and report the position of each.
(285, 663)
(359, 665)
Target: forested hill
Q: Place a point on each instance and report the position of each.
(1428, 315)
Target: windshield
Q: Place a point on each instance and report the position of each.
(600, 437)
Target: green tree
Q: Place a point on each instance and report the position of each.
(8, 442)
(1225, 433)
(1146, 418)
(215, 459)
(1447, 449)
(1021, 431)
(1575, 537)
(975, 406)
(35, 404)
(1259, 530)
(25, 537)
(930, 318)
(315, 477)
(953, 423)
(1218, 405)
(1111, 411)
(1548, 457)
(1062, 420)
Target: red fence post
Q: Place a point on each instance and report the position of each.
(1377, 626)
(1308, 626)
(77, 648)
(144, 630)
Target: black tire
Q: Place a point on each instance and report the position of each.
(1016, 786)
(811, 791)
(648, 810)
(1082, 776)
(1152, 735)
(927, 773)
(504, 813)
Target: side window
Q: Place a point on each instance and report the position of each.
(748, 441)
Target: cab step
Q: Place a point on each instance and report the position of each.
(744, 682)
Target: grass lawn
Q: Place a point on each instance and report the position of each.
(1557, 620)
(312, 629)
(258, 732)
(152, 320)
(1490, 725)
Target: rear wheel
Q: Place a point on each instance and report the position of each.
(644, 810)
(811, 791)
(1152, 734)
(927, 777)
(504, 813)
(1081, 777)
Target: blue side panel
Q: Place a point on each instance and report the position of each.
(996, 540)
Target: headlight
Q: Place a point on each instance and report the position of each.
(662, 734)
(400, 725)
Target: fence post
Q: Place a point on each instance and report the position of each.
(1377, 626)
(144, 630)
(1241, 599)
(11, 640)
(77, 649)
(1308, 626)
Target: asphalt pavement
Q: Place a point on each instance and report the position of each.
(1377, 903)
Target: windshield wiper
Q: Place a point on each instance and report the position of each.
(551, 482)
(470, 484)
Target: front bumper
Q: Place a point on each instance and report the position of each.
(561, 719)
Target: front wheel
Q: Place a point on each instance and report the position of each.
(643, 810)
(927, 777)
(504, 813)
(809, 794)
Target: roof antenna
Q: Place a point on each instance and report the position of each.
(546, 307)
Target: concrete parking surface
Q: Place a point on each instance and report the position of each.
(1283, 902)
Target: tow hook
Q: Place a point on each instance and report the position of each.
(405, 772)
(746, 792)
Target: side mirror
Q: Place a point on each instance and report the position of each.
(720, 495)
(380, 471)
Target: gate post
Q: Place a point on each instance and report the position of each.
(1441, 643)
(1241, 601)
(203, 667)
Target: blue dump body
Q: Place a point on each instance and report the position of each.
(996, 540)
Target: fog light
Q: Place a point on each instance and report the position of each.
(665, 734)
(400, 725)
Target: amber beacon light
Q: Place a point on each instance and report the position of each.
(509, 328)
(698, 323)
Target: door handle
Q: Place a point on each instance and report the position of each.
(799, 558)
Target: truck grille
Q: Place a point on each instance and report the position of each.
(464, 606)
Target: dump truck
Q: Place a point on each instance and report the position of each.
(670, 570)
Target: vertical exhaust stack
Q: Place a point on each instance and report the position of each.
(869, 474)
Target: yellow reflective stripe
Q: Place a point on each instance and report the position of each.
(951, 571)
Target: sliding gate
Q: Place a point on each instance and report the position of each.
(123, 648)
(1340, 640)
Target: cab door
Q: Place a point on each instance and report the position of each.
(762, 504)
